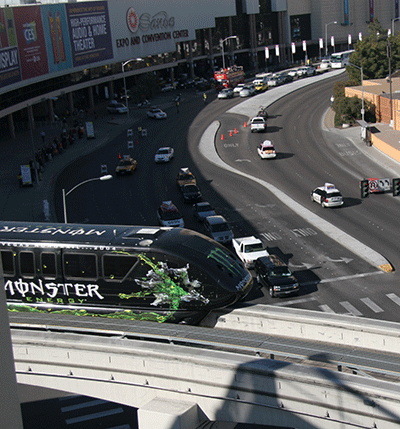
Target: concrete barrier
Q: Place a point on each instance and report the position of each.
(311, 325)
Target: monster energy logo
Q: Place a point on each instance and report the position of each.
(222, 258)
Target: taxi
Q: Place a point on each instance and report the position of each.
(126, 165)
(185, 177)
(169, 215)
(266, 150)
(327, 196)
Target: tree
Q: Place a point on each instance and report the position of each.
(371, 53)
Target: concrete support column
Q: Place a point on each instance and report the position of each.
(253, 41)
(191, 67)
(11, 126)
(51, 109)
(31, 118)
(172, 75)
(71, 102)
(111, 90)
(91, 97)
(164, 413)
(211, 55)
(10, 408)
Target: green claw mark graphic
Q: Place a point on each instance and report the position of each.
(166, 289)
(220, 256)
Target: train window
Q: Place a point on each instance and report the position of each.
(80, 265)
(48, 264)
(27, 264)
(116, 267)
(7, 259)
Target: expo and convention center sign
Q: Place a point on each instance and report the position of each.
(65, 37)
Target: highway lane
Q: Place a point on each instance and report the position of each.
(333, 278)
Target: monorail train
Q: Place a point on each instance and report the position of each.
(127, 272)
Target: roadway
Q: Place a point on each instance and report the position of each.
(333, 278)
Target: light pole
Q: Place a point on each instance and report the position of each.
(393, 21)
(362, 89)
(326, 36)
(123, 76)
(65, 194)
(222, 45)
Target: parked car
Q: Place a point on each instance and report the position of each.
(202, 210)
(218, 228)
(191, 193)
(164, 154)
(285, 77)
(126, 165)
(225, 93)
(156, 114)
(167, 88)
(115, 107)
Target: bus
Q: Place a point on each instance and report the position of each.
(126, 272)
(229, 77)
(340, 59)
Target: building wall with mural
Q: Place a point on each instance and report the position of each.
(47, 40)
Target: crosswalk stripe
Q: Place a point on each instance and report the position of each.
(394, 298)
(351, 309)
(326, 308)
(374, 307)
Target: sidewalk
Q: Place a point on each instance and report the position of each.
(27, 203)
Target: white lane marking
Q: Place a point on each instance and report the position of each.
(350, 308)
(354, 276)
(374, 307)
(325, 308)
(295, 301)
(394, 298)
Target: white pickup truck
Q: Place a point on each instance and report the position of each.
(249, 249)
(258, 124)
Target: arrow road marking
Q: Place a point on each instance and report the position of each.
(346, 260)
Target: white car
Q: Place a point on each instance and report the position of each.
(225, 93)
(266, 150)
(238, 88)
(156, 114)
(305, 71)
(164, 154)
(168, 215)
(327, 196)
(292, 72)
(115, 107)
(257, 125)
(218, 228)
(247, 91)
(167, 88)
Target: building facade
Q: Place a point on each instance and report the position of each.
(84, 50)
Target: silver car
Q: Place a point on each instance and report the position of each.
(219, 229)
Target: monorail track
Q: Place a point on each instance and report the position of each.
(363, 362)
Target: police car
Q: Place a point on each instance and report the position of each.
(327, 196)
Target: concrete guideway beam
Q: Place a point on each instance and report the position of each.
(225, 386)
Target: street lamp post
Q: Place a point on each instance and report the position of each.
(31, 122)
(362, 89)
(222, 45)
(393, 21)
(123, 76)
(65, 194)
(326, 36)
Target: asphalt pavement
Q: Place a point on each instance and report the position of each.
(36, 203)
